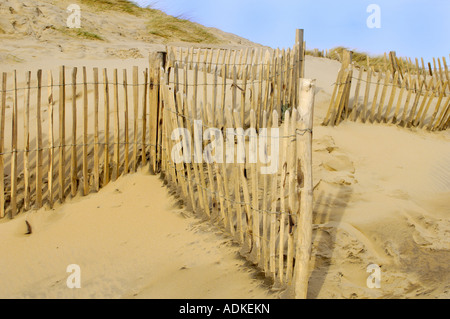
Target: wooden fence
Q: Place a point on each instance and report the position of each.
(398, 94)
(72, 135)
(264, 78)
(263, 212)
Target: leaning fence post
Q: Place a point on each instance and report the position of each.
(156, 62)
(393, 59)
(304, 178)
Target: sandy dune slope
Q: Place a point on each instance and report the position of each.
(382, 196)
(128, 245)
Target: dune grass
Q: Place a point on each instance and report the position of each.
(172, 28)
(114, 5)
(159, 24)
(81, 34)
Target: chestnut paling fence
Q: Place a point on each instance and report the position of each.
(396, 93)
(74, 132)
(71, 135)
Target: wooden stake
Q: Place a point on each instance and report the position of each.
(344, 101)
(156, 60)
(13, 203)
(197, 163)
(356, 98)
(96, 132)
(445, 111)
(428, 94)
(399, 102)
(62, 133)
(336, 110)
(366, 96)
(243, 93)
(26, 154)
(136, 115)
(293, 202)
(229, 208)
(415, 104)
(198, 136)
(383, 95)
(116, 127)
(144, 119)
(2, 144)
(85, 134)
(265, 201)
(126, 112)
(214, 98)
(224, 92)
(253, 151)
(391, 99)
(438, 105)
(425, 112)
(73, 162)
(405, 108)
(186, 165)
(106, 174)
(273, 208)
(244, 181)
(304, 148)
(283, 184)
(50, 139)
(39, 160)
(238, 199)
(233, 89)
(375, 98)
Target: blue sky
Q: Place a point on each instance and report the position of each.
(412, 28)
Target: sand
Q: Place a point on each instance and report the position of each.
(128, 245)
(381, 197)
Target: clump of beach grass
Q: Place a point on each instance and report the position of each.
(81, 33)
(114, 5)
(159, 24)
(178, 29)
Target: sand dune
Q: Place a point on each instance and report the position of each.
(128, 245)
(381, 197)
(32, 29)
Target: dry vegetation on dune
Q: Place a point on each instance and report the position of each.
(159, 24)
(169, 27)
(114, 5)
(80, 33)
(111, 21)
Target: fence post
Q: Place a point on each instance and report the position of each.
(299, 68)
(2, 144)
(341, 93)
(156, 61)
(393, 58)
(344, 105)
(14, 123)
(304, 178)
